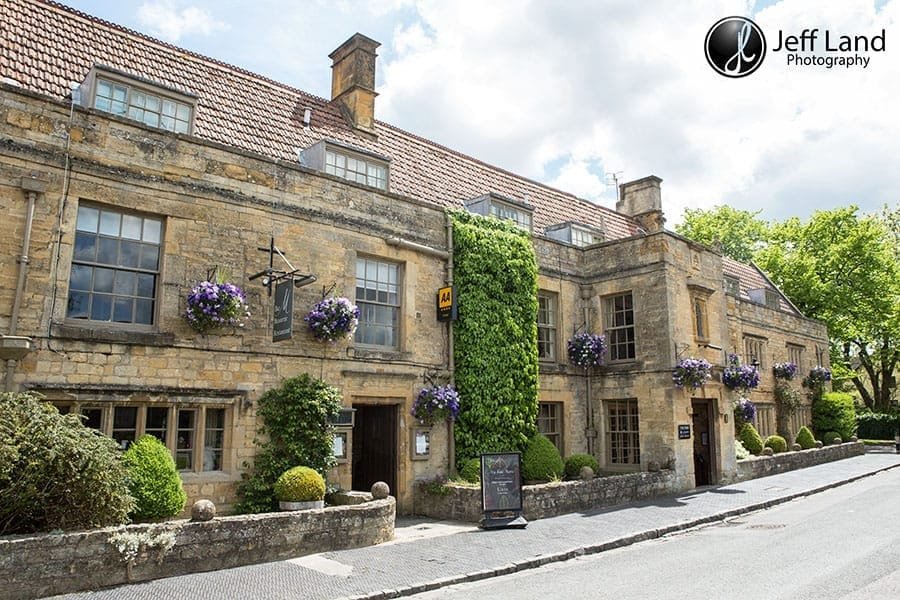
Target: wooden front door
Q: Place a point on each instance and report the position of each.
(704, 455)
(375, 446)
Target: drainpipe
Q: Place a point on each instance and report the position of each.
(32, 187)
(451, 365)
(415, 247)
(589, 409)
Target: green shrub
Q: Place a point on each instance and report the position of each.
(153, 480)
(55, 473)
(829, 436)
(751, 439)
(495, 274)
(834, 411)
(297, 430)
(877, 426)
(541, 460)
(576, 461)
(471, 470)
(805, 438)
(300, 484)
(777, 443)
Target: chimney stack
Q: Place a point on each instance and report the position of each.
(353, 81)
(641, 199)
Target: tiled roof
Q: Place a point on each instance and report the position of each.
(45, 46)
(752, 278)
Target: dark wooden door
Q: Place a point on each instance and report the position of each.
(375, 446)
(703, 436)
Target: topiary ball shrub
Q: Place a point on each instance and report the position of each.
(777, 443)
(805, 438)
(300, 484)
(55, 473)
(153, 480)
(471, 470)
(829, 436)
(834, 411)
(751, 439)
(541, 460)
(576, 461)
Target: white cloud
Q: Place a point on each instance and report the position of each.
(529, 84)
(165, 19)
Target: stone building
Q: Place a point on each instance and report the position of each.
(131, 169)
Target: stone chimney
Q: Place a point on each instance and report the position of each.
(641, 200)
(353, 81)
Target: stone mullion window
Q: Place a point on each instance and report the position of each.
(620, 327)
(550, 423)
(546, 324)
(795, 355)
(623, 443)
(754, 348)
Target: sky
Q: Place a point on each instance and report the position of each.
(579, 94)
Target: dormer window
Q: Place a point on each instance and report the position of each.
(732, 286)
(576, 234)
(352, 164)
(502, 207)
(765, 296)
(143, 101)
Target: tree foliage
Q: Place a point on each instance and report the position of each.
(495, 274)
(739, 233)
(840, 267)
(297, 430)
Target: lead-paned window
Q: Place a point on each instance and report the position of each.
(355, 168)
(149, 108)
(623, 443)
(550, 423)
(583, 237)
(546, 326)
(115, 266)
(620, 327)
(184, 445)
(213, 439)
(509, 213)
(754, 349)
(124, 429)
(378, 299)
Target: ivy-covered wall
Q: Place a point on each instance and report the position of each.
(495, 276)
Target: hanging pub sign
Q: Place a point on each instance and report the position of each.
(283, 322)
(501, 491)
(446, 304)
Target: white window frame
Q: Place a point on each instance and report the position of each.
(356, 167)
(369, 306)
(142, 103)
(615, 329)
(547, 317)
(508, 212)
(623, 443)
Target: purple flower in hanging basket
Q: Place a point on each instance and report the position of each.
(785, 370)
(211, 305)
(740, 377)
(744, 410)
(333, 318)
(436, 403)
(691, 373)
(818, 376)
(586, 350)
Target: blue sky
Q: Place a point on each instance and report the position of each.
(568, 92)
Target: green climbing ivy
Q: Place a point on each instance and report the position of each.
(495, 276)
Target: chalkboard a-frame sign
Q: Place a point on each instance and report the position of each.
(501, 491)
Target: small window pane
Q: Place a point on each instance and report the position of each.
(81, 278)
(123, 310)
(131, 227)
(143, 314)
(109, 251)
(77, 305)
(184, 447)
(149, 257)
(183, 112)
(88, 218)
(124, 425)
(157, 423)
(168, 108)
(85, 247)
(103, 280)
(93, 417)
(146, 285)
(152, 229)
(109, 223)
(125, 282)
(129, 254)
(101, 307)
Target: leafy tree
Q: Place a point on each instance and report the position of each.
(739, 232)
(842, 268)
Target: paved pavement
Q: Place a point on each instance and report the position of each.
(427, 555)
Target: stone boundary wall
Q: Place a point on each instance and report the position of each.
(463, 503)
(34, 566)
(761, 466)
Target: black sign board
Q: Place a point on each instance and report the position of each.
(501, 490)
(684, 432)
(283, 322)
(446, 304)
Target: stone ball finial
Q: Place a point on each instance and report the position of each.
(819, 443)
(837, 441)
(796, 447)
(768, 451)
(653, 466)
(586, 473)
(380, 490)
(203, 510)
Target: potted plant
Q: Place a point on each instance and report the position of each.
(817, 378)
(740, 377)
(214, 304)
(586, 350)
(691, 373)
(300, 488)
(785, 370)
(333, 318)
(436, 403)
